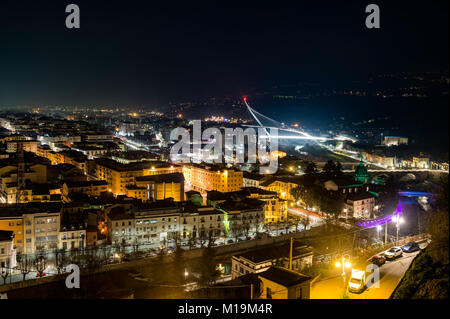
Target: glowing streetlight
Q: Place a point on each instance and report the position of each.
(398, 220)
(378, 231)
(344, 264)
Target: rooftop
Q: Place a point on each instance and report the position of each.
(135, 166)
(283, 276)
(275, 252)
(162, 178)
(86, 183)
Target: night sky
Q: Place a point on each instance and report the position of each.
(141, 54)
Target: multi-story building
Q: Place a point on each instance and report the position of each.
(275, 209)
(359, 205)
(73, 157)
(32, 192)
(11, 220)
(120, 175)
(41, 231)
(421, 162)
(34, 172)
(27, 146)
(204, 178)
(7, 250)
(157, 187)
(243, 217)
(201, 222)
(394, 140)
(157, 223)
(253, 179)
(90, 188)
(282, 186)
(72, 237)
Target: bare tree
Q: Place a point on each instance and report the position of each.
(40, 264)
(191, 241)
(25, 266)
(306, 221)
(6, 271)
(203, 237)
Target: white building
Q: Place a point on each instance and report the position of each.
(7, 251)
(259, 260)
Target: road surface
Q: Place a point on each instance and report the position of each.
(390, 275)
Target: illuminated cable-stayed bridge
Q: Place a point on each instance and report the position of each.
(299, 134)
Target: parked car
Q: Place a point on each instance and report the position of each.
(378, 260)
(229, 241)
(410, 247)
(393, 252)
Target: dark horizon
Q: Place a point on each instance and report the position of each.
(142, 54)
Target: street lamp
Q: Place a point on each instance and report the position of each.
(398, 220)
(344, 264)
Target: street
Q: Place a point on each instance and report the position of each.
(390, 275)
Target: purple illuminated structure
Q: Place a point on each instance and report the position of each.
(382, 221)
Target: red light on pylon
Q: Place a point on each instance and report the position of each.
(245, 99)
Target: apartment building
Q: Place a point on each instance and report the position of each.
(359, 205)
(275, 208)
(202, 222)
(7, 250)
(72, 236)
(90, 188)
(41, 231)
(204, 178)
(281, 186)
(12, 220)
(119, 175)
(158, 187)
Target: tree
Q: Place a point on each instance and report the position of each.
(191, 241)
(40, 264)
(329, 167)
(332, 204)
(25, 265)
(297, 192)
(338, 169)
(207, 268)
(311, 168)
(236, 231)
(179, 264)
(203, 237)
(439, 227)
(60, 261)
(306, 221)
(5, 271)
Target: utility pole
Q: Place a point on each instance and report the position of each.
(251, 291)
(385, 233)
(290, 255)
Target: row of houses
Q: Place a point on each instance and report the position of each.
(155, 223)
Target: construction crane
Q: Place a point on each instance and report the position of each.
(20, 171)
